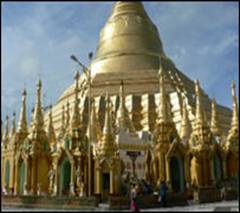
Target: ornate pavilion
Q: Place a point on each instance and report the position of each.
(144, 117)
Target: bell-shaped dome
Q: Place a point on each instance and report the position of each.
(128, 41)
(128, 30)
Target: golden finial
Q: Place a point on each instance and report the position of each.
(163, 112)
(38, 114)
(123, 116)
(233, 89)
(107, 144)
(199, 117)
(107, 130)
(22, 123)
(214, 119)
(51, 132)
(13, 124)
(39, 84)
(7, 128)
(67, 115)
(235, 122)
(186, 127)
(235, 107)
(62, 131)
(2, 133)
(75, 123)
(233, 134)
(96, 133)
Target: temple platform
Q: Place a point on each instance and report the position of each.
(206, 195)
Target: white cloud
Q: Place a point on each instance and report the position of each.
(30, 66)
(227, 43)
(195, 35)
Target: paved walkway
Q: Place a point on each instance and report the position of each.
(217, 206)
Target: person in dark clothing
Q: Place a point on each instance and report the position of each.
(134, 198)
(163, 194)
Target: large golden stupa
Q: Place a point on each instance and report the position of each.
(130, 50)
(148, 121)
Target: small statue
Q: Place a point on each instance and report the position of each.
(72, 189)
(79, 177)
(25, 192)
(82, 189)
(38, 189)
(51, 176)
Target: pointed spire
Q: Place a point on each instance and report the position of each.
(235, 121)
(199, 117)
(67, 116)
(122, 100)
(107, 144)
(214, 119)
(22, 123)
(62, 130)
(75, 123)
(38, 114)
(6, 136)
(13, 125)
(123, 116)
(2, 133)
(186, 127)
(107, 129)
(32, 118)
(233, 134)
(163, 112)
(96, 133)
(51, 132)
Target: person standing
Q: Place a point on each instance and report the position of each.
(163, 194)
(134, 196)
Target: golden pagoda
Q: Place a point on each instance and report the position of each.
(147, 120)
(130, 50)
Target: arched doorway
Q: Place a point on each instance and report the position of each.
(7, 174)
(106, 186)
(231, 165)
(21, 179)
(65, 175)
(177, 174)
(217, 166)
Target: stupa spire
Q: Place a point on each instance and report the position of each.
(235, 121)
(13, 125)
(6, 135)
(214, 119)
(107, 129)
(22, 123)
(123, 116)
(199, 117)
(186, 127)
(75, 123)
(38, 114)
(62, 130)
(107, 145)
(67, 116)
(2, 131)
(51, 131)
(95, 126)
(163, 111)
(234, 130)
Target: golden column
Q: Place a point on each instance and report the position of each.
(87, 72)
(16, 177)
(26, 177)
(72, 190)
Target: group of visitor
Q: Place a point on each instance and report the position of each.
(135, 192)
(6, 190)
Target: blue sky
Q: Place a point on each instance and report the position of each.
(38, 38)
